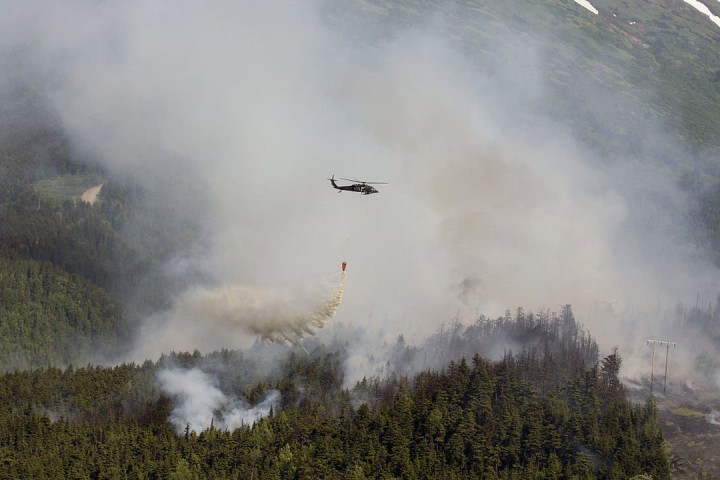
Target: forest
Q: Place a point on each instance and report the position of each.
(528, 394)
(519, 417)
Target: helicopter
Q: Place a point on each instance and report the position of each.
(366, 188)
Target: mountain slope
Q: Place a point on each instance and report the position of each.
(49, 317)
(611, 77)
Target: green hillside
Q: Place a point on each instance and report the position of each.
(71, 269)
(49, 317)
(636, 65)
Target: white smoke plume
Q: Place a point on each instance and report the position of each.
(199, 403)
(713, 417)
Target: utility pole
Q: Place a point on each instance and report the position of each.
(652, 366)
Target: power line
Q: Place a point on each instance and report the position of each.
(652, 366)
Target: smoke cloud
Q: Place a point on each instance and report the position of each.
(199, 403)
(491, 203)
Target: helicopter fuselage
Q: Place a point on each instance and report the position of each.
(363, 188)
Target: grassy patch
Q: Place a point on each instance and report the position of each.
(687, 412)
(66, 187)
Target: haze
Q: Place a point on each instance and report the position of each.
(490, 205)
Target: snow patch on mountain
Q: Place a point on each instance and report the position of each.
(702, 8)
(587, 5)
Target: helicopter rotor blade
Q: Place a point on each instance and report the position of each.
(362, 181)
